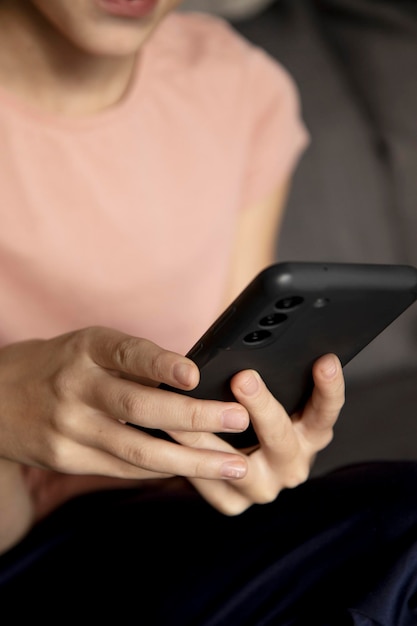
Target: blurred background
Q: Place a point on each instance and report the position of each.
(354, 194)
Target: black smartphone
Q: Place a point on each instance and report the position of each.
(289, 315)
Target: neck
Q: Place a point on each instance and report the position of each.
(44, 69)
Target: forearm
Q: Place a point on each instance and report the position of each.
(16, 509)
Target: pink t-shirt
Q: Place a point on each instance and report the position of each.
(125, 218)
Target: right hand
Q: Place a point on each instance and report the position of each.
(287, 446)
(64, 401)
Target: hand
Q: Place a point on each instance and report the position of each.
(287, 446)
(64, 401)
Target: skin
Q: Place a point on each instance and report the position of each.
(64, 401)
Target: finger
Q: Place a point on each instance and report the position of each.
(149, 453)
(228, 497)
(261, 484)
(321, 412)
(166, 410)
(270, 421)
(83, 460)
(282, 459)
(139, 357)
(222, 496)
(267, 475)
(204, 440)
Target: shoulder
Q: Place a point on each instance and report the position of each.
(195, 34)
(200, 41)
(215, 84)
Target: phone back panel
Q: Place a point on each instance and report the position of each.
(293, 313)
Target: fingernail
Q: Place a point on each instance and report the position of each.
(233, 469)
(250, 385)
(329, 367)
(234, 419)
(183, 373)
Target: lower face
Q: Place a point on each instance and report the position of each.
(104, 27)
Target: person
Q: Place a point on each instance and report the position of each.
(146, 158)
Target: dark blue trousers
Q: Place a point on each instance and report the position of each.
(339, 550)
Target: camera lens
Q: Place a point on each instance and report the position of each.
(289, 303)
(273, 320)
(257, 336)
(321, 302)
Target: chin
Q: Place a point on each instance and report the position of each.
(113, 41)
(101, 33)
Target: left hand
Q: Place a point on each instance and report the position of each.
(287, 445)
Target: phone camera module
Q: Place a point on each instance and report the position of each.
(321, 302)
(274, 319)
(289, 303)
(257, 336)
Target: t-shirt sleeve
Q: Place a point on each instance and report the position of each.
(277, 135)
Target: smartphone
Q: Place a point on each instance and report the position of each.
(291, 314)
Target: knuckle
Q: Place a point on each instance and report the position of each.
(124, 353)
(158, 365)
(338, 392)
(201, 464)
(62, 383)
(267, 497)
(328, 407)
(263, 402)
(192, 417)
(232, 507)
(66, 379)
(234, 504)
(195, 418)
(78, 341)
(141, 456)
(297, 476)
(200, 469)
(131, 404)
(281, 437)
(56, 455)
(327, 418)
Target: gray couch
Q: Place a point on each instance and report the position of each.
(354, 195)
